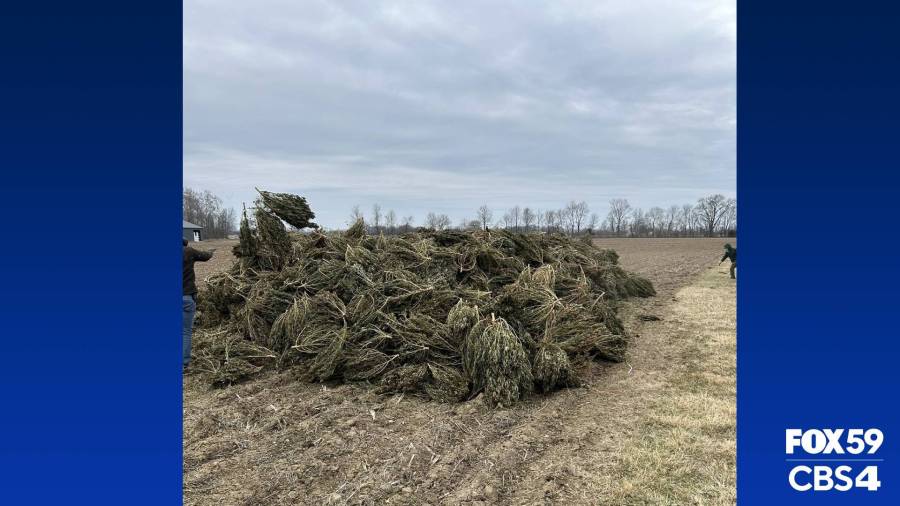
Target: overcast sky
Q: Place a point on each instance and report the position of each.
(443, 106)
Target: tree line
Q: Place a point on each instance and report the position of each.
(205, 209)
(711, 216)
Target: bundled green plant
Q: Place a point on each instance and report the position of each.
(247, 246)
(293, 209)
(551, 367)
(442, 314)
(496, 362)
(274, 244)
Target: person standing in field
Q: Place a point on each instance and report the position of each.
(731, 254)
(189, 296)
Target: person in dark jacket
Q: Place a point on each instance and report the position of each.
(189, 296)
(731, 254)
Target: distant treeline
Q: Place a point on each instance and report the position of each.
(205, 209)
(711, 216)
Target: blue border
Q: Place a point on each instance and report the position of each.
(92, 151)
(817, 296)
(91, 136)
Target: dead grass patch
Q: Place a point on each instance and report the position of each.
(278, 441)
(684, 450)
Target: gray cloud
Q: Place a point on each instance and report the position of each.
(442, 106)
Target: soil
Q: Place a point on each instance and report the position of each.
(277, 440)
(220, 261)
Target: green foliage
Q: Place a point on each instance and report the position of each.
(274, 243)
(496, 362)
(292, 209)
(442, 314)
(551, 367)
(247, 247)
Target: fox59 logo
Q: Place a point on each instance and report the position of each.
(833, 459)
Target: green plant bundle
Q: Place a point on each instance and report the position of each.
(442, 314)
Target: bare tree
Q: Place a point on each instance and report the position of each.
(539, 219)
(729, 220)
(710, 210)
(671, 220)
(437, 221)
(619, 211)
(565, 219)
(376, 217)
(356, 215)
(593, 223)
(390, 221)
(656, 219)
(638, 223)
(226, 221)
(485, 215)
(558, 218)
(206, 209)
(551, 219)
(515, 214)
(528, 218)
(577, 212)
(407, 223)
(687, 220)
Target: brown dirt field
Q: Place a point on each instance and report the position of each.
(221, 260)
(657, 429)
